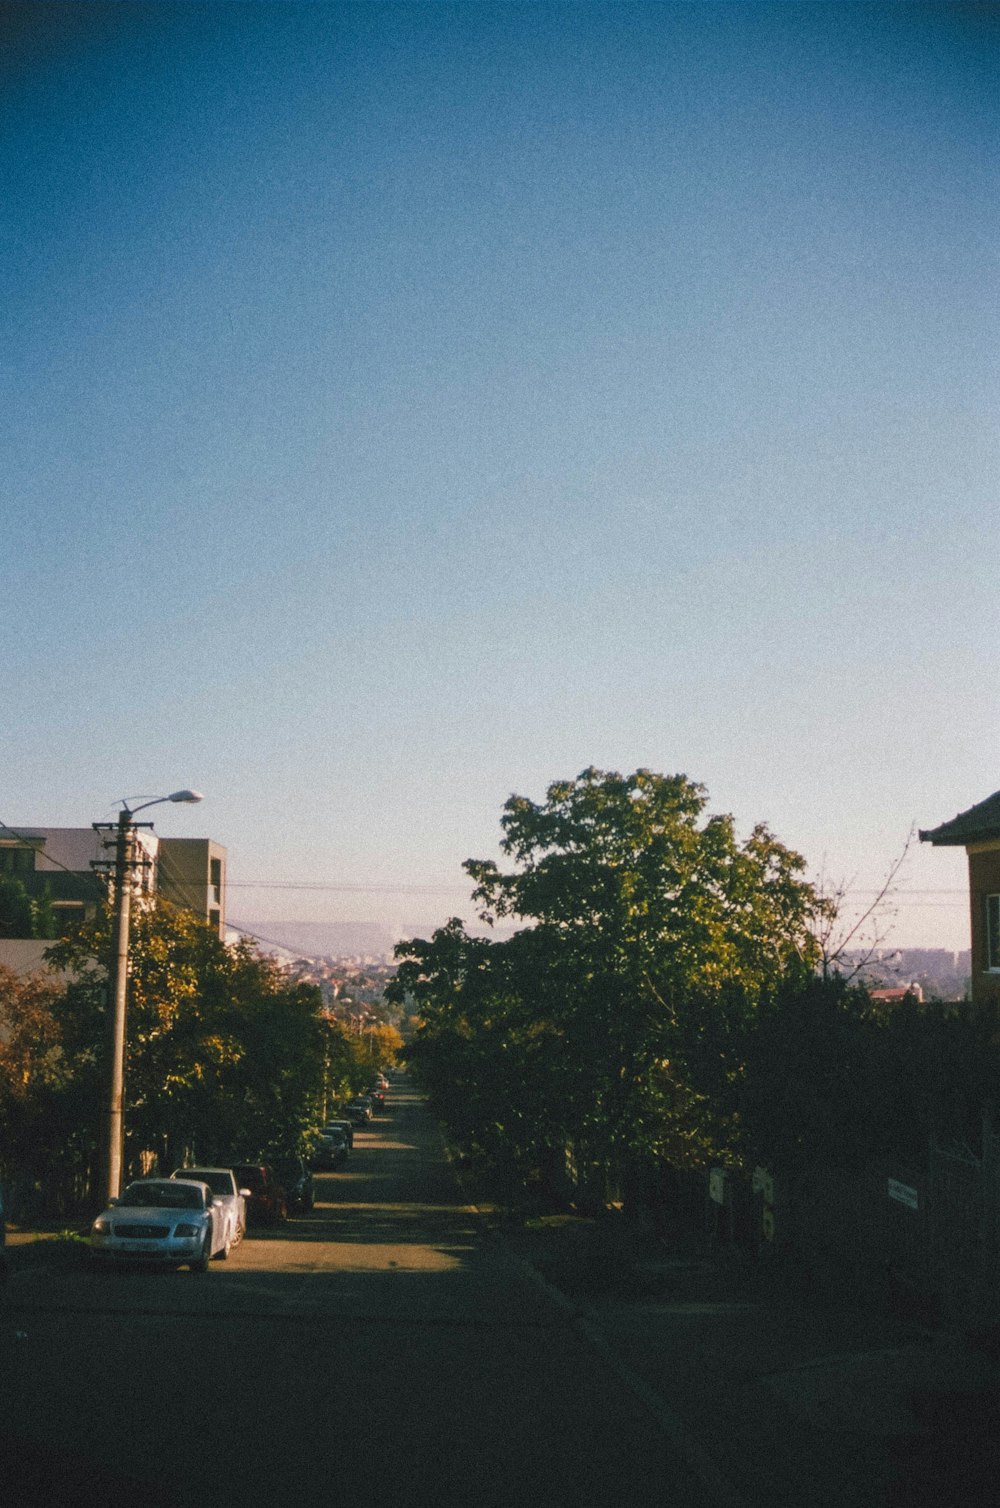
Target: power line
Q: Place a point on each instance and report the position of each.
(30, 843)
(903, 900)
(383, 889)
(349, 889)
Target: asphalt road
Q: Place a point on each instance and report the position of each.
(379, 1351)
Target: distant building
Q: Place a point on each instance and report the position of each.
(60, 864)
(978, 832)
(897, 993)
(940, 973)
(191, 872)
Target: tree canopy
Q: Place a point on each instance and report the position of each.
(227, 1055)
(668, 1000)
(636, 904)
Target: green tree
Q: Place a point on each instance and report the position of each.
(639, 905)
(24, 915)
(386, 1043)
(345, 1072)
(816, 1074)
(224, 1054)
(484, 1048)
(34, 1071)
(17, 918)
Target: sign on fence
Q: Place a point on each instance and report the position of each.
(903, 1194)
(717, 1185)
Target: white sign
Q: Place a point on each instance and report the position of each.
(903, 1194)
(763, 1184)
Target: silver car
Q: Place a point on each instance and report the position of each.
(222, 1182)
(170, 1221)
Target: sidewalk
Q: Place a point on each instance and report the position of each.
(791, 1403)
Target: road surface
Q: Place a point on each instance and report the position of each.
(378, 1351)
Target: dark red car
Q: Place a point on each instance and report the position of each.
(268, 1202)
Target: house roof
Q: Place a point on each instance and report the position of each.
(980, 821)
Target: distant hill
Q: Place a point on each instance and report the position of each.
(325, 939)
(345, 939)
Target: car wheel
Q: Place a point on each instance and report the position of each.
(200, 1264)
(241, 1231)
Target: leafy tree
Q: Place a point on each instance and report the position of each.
(385, 1043)
(43, 917)
(484, 1049)
(17, 918)
(345, 1071)
(224, 1054)
(818, 1075)
(23, 915)
(568, 1033)
(643, 904)
(32, 1058)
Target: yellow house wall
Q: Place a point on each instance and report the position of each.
(984, 880)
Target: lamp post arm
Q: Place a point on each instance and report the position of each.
(186, 796)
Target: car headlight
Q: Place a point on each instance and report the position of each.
(186, 1230)
(101, 1227)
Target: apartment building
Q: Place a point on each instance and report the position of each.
(68, 867)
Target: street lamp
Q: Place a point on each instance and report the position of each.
(124, 863)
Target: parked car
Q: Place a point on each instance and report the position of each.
(222, 1182)
(295, 1177)
(377, 1097)
(266, 1201)
(343, 1125)
(173, 1222)
(360, 1112)
(331, 1148)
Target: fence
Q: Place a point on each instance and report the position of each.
(926, 1237)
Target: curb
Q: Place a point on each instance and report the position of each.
(718, 1489)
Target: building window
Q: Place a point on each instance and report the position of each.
(993, 932)
(215, 869)
(67, 915)
(16, 859)
(214, 919)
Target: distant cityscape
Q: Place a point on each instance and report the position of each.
(328, 951)
(940, 974)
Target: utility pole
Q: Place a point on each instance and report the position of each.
(113, 1117)
(112, 1130)
(114, 1124)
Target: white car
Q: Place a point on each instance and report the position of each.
(171, 1221)
(222, 1182)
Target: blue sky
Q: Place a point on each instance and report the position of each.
(404, 406)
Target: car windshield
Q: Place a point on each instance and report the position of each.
(219, 1183)
(163, 1196)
